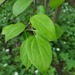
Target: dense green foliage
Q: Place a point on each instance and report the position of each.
(64, 47)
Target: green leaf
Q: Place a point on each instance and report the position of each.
(59, 31)
(44, 25)
(23, 55)
(1, 1)
(12, 30)
(52, 71)
(41, 9)
(20, 6)
(56, 3)
(39, 53)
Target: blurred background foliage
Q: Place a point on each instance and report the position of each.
(63, 50)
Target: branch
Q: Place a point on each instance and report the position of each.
(71, 2)
(47, 4)
(56, 14)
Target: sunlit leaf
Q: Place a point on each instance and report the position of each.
(12, 30)
(20, 6)
(59, 31)
(56, 3)
(23, 55)
(39, 53)
(44, 25)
